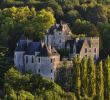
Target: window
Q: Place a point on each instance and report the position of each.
(59, 33)
(39, 60)
(51, 60)
(39, 70)
(59, 41)
(95, 50)
(26, 59)
(32, 59)
(85, 50)
(51, 71)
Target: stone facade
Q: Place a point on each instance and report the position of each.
(42, 57)
(44, 60)
(88, 46)
(58, 35)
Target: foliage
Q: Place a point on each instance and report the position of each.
(33, 18)
(24, 20)
(91, 76)
(22, 86)
(107, 78)
(89, 80)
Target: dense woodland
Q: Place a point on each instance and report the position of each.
(89, 81)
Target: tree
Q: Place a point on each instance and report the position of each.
(83, 71)
(25, 95)
(107, 79)
(30, 86)
(84, 27)
(12, 95)
(58, 11)
(96, 14)
(23, 20)
(11, 79)
(91, 75)
(43, 21)
(76, 76)
(71, 16)
(100, 82)
(104, 30)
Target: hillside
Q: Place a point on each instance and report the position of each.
(32, 18)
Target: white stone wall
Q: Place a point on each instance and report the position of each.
(30, 63)
(36, 53)
(19, 60)
(45, 67)
(59, 39)
(90, 44)
(50, 39)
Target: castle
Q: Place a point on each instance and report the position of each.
(42, 57)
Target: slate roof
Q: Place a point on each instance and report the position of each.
(33, 47)
(78, 44)
(71, 43)
(45, 52)
(30, 50)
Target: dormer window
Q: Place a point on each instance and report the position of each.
(26, 59)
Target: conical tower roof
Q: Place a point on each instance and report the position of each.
(45, 52)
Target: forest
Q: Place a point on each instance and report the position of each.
(89, 80)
